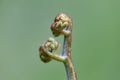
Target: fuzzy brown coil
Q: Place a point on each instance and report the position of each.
(61, 22)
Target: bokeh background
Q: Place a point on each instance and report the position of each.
(25, 24)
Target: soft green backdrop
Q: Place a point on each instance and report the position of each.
(24, 25)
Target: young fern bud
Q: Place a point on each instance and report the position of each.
(50, 45)
(61, 23)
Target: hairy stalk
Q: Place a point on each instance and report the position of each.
(62, 26)
(71, 74)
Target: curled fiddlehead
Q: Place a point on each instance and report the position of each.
(61, 25)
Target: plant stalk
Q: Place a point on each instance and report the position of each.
(70, 71)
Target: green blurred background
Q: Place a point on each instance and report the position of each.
(25, 24)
